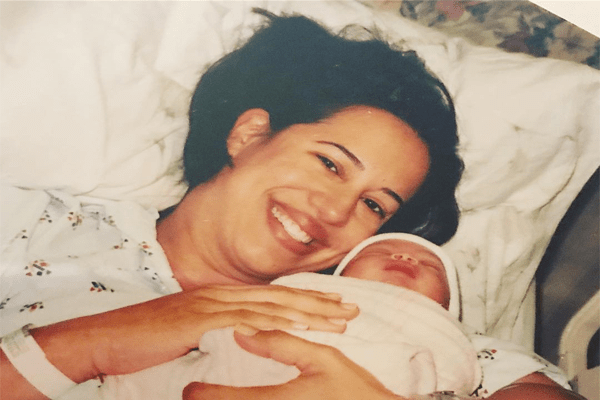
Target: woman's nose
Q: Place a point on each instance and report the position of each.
(334, 210)
(404, 257)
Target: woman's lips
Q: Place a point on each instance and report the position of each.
(291, 227)
(295, 230)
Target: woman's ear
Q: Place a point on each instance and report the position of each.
(251, 125)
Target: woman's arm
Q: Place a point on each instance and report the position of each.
(535, 386)
(327, 373)
(13, 385)
(147, 334)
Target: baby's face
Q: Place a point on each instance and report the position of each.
(404, 264)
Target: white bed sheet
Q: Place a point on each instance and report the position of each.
(94, 100)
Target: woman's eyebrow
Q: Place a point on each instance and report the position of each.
(394, 195)
(346, 152)
(360, 166)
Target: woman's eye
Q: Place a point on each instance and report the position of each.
(376, 208)
(330, 165)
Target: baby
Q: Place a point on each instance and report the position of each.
(406, 261)
(407, 333)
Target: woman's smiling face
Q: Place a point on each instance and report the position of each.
(300, 200)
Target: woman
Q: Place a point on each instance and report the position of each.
(301, 145)
(409, 93)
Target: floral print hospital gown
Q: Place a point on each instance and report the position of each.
(64, 257)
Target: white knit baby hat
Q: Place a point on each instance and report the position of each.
(451, 275)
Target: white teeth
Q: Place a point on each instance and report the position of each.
(291, 227)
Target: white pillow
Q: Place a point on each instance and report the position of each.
(83, 107)
(95, 96)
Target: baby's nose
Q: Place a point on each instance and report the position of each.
(404, 257)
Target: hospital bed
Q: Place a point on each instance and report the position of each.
(95, 95)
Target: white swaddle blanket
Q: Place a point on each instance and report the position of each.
(408, 342)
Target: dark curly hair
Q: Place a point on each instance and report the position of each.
(300, 73)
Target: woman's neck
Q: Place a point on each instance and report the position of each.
(190, 244)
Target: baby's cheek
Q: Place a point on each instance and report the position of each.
(445, 295)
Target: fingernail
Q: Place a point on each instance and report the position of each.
(245, 330)
(338, 321)
(334, 296)
(300, 326)
(350, 306)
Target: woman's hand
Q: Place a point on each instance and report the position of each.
(325, 373)
(147, 334)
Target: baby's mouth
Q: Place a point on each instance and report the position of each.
(402, 267)
(291, 227)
